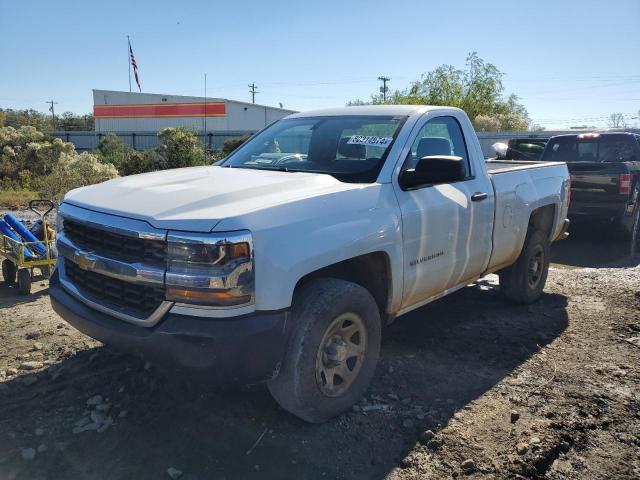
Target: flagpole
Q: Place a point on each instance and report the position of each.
(205, 108)
(129, 60)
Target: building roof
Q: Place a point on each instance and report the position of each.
(107, 97)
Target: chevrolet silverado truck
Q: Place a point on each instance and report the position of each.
(284, 262)
(605, 178)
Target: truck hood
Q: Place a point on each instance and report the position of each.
(196, 199)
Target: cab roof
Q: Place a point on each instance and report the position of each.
(372, 110)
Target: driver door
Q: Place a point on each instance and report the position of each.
(447, 235)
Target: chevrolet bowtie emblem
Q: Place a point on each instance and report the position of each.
(85, 261)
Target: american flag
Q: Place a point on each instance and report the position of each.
(135, 67)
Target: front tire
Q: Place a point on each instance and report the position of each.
(332, 351)
(24, 281)
(523, 282)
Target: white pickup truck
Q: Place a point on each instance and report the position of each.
(284, 262)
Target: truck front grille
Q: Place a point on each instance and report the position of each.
(137, 300)
(114, 245)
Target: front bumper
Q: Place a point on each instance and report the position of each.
(246, 349)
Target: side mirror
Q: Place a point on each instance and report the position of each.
(500, 149)
(434, 169)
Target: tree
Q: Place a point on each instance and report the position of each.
(44, 121)
(28, 117)
(69, 121)
(477, 89)
(616, 120)
(486, 123)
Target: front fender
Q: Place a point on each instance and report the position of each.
(298, 238)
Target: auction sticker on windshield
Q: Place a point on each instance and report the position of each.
(370, 141)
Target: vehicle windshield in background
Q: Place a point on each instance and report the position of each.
(590, 148)
(525, 149)
(350, 148)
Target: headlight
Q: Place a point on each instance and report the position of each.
(214, 269)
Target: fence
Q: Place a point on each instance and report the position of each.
(84, 141)
(214, 140)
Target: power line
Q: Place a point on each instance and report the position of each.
(253, 87)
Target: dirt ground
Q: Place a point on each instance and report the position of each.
(467, 386)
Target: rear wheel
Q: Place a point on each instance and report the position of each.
(24, 281)
(631, 223)
(332, 351)
(523, 282)
(634, 235)
(8, 272)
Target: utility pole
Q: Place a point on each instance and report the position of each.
(383, 88)
(253, 87)
(53, 113)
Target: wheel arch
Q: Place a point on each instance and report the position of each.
(371, 271)
(543, 218)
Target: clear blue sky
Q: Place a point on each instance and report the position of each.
(571, 61)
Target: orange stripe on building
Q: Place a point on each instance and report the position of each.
(216, 109)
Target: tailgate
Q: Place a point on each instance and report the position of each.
(595, 181)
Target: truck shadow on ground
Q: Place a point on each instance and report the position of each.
(9, 296)
(592, 245)
(434, 362)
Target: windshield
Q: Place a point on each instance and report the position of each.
(596, 148)
(350, 148)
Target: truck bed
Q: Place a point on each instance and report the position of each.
(502, 166)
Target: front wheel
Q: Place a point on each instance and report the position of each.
(523, 282)
(332, 351)
(24, 281)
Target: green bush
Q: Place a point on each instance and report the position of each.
(73, 171)
(142, 162)
(26, 148)
(180, 147)
(233, 143)
(113, 150)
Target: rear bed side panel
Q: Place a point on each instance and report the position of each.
(517, 194)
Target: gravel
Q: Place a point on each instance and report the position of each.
(28, 453)
(33, 365)
(470, 352)
(174, 473)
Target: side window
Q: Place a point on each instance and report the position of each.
(617, 150)
(439, 136)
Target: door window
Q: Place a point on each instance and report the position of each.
(439, 136)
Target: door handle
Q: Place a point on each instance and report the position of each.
(478, 196)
